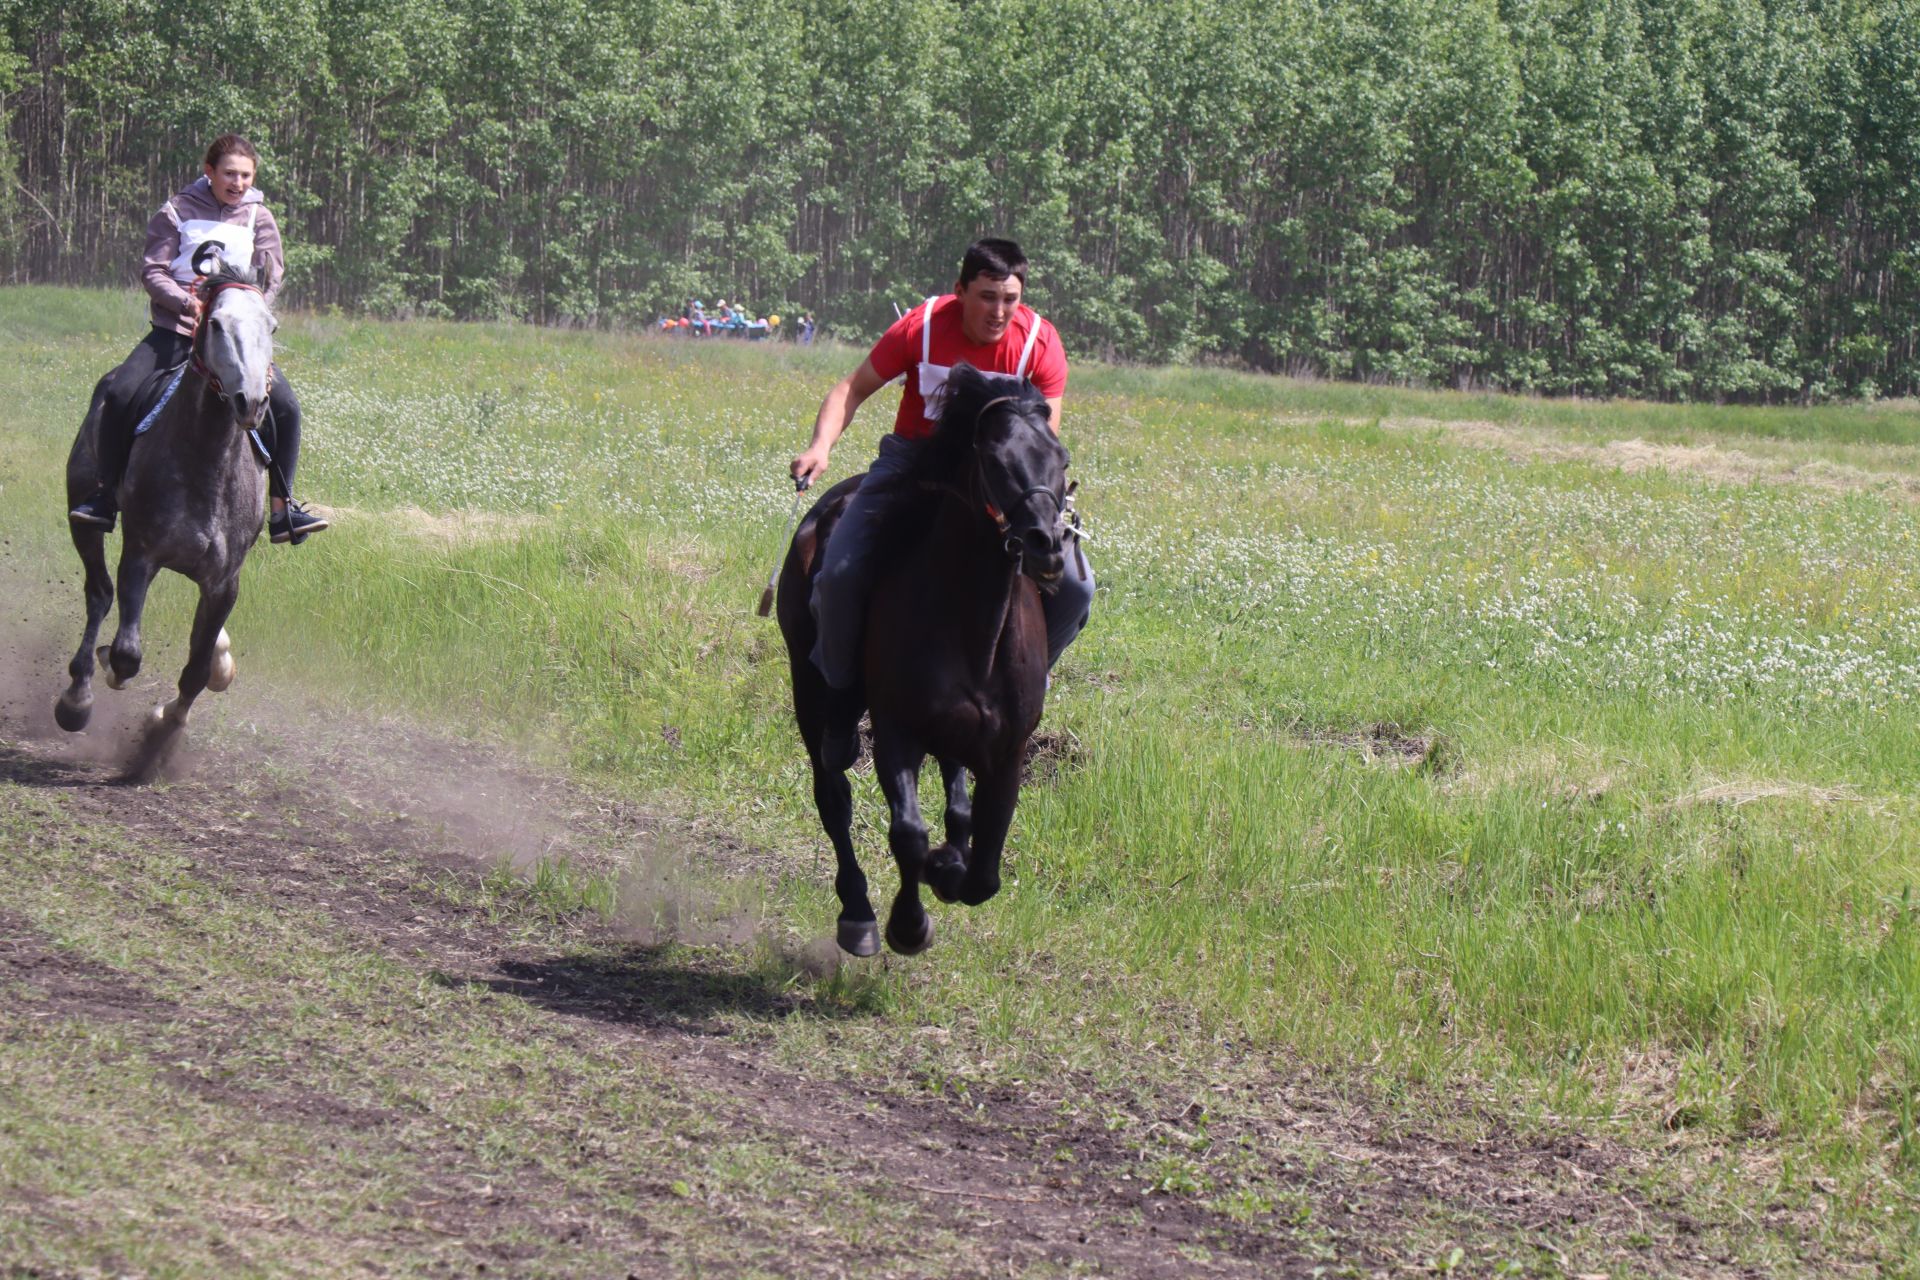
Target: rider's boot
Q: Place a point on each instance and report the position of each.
(293, 523)
(98, 510)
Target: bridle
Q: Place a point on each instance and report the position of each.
(1062, 502)
(194, 344)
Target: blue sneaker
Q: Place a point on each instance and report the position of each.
(294, 524)
(98, 510)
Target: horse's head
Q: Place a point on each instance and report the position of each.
(233, 345)
(1020, 470)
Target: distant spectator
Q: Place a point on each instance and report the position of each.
(806, 328)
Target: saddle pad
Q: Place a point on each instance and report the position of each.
(166, 382)
(154, 396)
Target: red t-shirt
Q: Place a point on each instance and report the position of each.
(898, 352)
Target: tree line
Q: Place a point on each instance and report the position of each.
(1667, 198)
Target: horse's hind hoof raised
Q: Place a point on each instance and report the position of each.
(220, 674)
(909, 946)
(859, 937)
(944, 873)
(103, 657)
(72, 714)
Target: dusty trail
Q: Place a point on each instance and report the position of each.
(322, 830)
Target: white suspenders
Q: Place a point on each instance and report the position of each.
(926, 338)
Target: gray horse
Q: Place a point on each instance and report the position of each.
(192, 499)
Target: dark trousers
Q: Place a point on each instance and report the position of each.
(125, 392)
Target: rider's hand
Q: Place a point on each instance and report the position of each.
(192, 310)
(810, 466)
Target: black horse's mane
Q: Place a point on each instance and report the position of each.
(967, 392)
(948, 452)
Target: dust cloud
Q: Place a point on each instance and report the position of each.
(469, 804)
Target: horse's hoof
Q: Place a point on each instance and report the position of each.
(909, 947)
(220, 675)
(859, 937)
(944, 872)
(103, 657)
(165, 717)
(979, 891)
(72, 716)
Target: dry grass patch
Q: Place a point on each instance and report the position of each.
(1569, 769)
(1636, 456)
(1744, 792)
(684, 558)
(460, 528)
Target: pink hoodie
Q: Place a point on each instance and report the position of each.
(197, 201)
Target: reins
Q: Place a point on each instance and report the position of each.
(1066, 519)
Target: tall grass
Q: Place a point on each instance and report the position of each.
(1653, 839)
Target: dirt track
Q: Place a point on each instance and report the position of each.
(1021, 1178)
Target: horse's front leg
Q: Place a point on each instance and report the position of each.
(209, 625)
(897, 764)
(947, 864)
(994, 796)
(75, 707)
(122, 657)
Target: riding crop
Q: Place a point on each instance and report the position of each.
(793, 522)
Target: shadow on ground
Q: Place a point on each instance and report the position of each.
(646, 986)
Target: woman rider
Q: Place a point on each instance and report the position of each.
(982, 322)
(221, 205)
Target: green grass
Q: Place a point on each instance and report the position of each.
(1658, 861)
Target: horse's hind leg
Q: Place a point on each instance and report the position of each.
(122, 657)
(897, 764)
(947, 863)
(220, 676)
(75, 707)
(857, 932)
(815, 706)
(209, 629)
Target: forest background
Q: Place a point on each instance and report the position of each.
(1714, 199)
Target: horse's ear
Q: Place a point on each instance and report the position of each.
(209, 250)
(964, 379)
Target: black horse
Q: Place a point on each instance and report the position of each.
(955, 661)
(192, 498)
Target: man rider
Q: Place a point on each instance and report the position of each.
(984, 323)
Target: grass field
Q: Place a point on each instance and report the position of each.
(1498, 756)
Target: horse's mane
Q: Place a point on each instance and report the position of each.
(948, 452)
(967, 392)
(222, 272)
